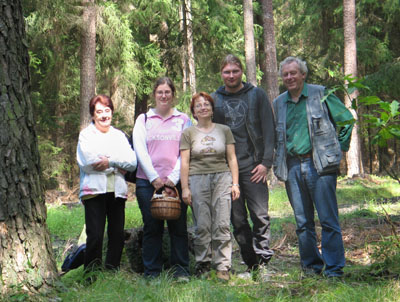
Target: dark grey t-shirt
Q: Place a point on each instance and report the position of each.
(236, 110)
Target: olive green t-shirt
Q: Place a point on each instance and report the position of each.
(207, 150)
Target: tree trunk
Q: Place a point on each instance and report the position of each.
(271, 69)
(188, 64)
(88, 60)
(191, 63)
(26, 257)
(184, 52)
(353, 156)
(251, 71)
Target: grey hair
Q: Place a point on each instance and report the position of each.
(302, 64)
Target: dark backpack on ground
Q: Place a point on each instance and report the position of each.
(74, 259)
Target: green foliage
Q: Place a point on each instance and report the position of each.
(385, 121)
(363, 190)
(314, 31)
(383, 81)
(133, 217)
(53, 162)
(386, 253)
(64, 222)
(385, 117)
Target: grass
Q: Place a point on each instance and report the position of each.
(365, 231)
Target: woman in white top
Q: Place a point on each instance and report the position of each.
(104, 155)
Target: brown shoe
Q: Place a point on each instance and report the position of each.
(223, 275)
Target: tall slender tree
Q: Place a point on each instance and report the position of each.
(353, 156)
(25, 250)
(249, 46)
(271, 71)
(188, 63)
(88, 59)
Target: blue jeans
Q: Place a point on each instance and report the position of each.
(153, 235)
(306, 189)
(253, 242)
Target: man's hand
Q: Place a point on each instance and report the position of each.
(259, 174)
(102, 164)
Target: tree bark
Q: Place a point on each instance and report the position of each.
(353, 156)
(88, 60)
(188, 64)
(184, 61)
(26, 257)
(271, 69)
(251, 71)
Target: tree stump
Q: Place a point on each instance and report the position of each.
(133, 248)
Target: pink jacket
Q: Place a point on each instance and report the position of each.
(156, 143)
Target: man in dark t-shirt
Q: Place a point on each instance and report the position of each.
(247, 111)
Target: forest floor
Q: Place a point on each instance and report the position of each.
(362, 229)
(370, 219)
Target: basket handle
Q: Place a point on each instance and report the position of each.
(160, 190)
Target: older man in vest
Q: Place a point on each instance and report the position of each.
(307, 158)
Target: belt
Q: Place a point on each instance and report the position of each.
(300, 156)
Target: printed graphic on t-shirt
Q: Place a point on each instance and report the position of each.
(208, 141)
(235, 112)
(178, 124)
(169, 130)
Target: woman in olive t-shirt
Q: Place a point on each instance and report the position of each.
(209, 178)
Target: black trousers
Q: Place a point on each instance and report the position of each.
(253, 242)
(97, 210)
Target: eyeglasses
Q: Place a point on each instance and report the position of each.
(167, 92)
(205, 105)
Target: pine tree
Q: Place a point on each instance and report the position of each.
(26, 257)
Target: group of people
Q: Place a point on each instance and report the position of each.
(219, 167)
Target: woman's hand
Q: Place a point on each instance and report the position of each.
(169, 183)
(235, 192)
(102, 164)
(187, 196)
(157, 183)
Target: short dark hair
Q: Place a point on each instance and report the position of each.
(231, 59)
(104, 99)
(198, 95)
(164, 80)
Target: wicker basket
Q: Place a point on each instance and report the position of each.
(164, 207)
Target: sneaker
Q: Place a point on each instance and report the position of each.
(223, 275)
(245, 275)
(262, 273)
(182, 279)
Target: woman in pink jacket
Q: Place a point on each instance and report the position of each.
(156, 137)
